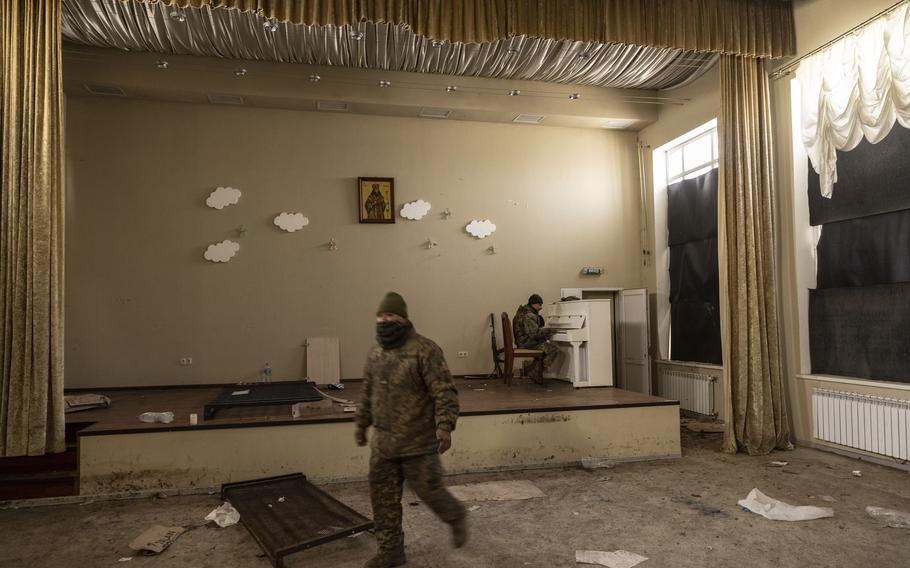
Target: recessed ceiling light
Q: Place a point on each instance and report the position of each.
(240, 71)
(383, 83)
(314, 78)
(514, 93)
(178, 15)
(528, 118)
(436, 43)
(270, 25)
(337, 106)
(428, 112)
(161, 64)
(451, 88)
(225, 99)
(574, 96)
(619, 123)
(356, 35)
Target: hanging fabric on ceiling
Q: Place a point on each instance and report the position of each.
(857, 88)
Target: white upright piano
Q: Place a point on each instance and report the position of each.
(585, 337)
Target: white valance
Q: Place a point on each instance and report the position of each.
(856, 88)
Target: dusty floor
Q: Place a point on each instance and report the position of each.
(677, 513)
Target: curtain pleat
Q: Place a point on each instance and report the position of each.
(756, 408)
(759, 28)
(31, 229)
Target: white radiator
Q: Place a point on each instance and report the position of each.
(866, 422)
(694, 391)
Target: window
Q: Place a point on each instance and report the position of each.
(685, 201)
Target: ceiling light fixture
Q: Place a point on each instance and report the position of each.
(314, 78)
(574, 97)
(356, 35)
(161, 64)
(514, 93)
(270, 25)
(178, 15)
(383, 83)
(451, 88)
(240, 71)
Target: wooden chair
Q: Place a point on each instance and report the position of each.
(510, 352)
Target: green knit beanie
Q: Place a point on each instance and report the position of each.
(393, 303)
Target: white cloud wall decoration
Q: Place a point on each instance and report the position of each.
(481, 229)
(222, 252)
(415, 210)
(291, 222)
(222, 197)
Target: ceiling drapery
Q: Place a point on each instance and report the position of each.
(236, 34)
(760, 28)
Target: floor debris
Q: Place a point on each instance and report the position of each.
(857, 473)
(891, 518)
(125, 559)
(597, 463)
(703, 508)
(771, 508)
(827, 498)
(224, 516)
(155, 539)
(705, 427)
(497, 491)
(615, 559)
(778, 463)
(473, 508)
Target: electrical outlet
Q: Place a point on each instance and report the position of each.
(186, 361)
(462, 354)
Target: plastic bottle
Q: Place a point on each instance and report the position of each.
(267, 373)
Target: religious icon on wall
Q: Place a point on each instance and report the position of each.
(376, 200)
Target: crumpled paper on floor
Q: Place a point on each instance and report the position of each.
(771, 508)
(615, 559)
(891, 518)
(224, 516)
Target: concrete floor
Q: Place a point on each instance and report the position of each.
(677, 513)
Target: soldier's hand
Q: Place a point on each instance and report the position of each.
(360, 436)
(444, 439)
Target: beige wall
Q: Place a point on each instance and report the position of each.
(817, 22)
(139, 295)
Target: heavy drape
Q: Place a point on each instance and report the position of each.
(761, 28)
(756, 408)
(31, 229)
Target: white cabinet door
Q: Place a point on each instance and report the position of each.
(634, 337)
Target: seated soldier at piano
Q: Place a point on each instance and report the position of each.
(528, 329)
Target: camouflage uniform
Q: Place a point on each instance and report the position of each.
(526, 327)
(407, 395)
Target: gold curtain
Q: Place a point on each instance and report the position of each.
(31, 229)
(760, 28)
(755, 405)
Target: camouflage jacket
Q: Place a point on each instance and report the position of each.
(527, 328)
(407, 394)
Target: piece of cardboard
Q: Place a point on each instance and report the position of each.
(156, 539)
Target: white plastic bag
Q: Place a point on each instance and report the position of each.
(771, 508)
(224, 516)
(162, 417)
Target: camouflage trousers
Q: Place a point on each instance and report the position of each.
(424, 477)
(550, 353)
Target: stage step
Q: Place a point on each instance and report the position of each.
(48, 475)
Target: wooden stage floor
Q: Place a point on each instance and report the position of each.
(525, 425)
(477, 397)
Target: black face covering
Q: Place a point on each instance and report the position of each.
(392, 334)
